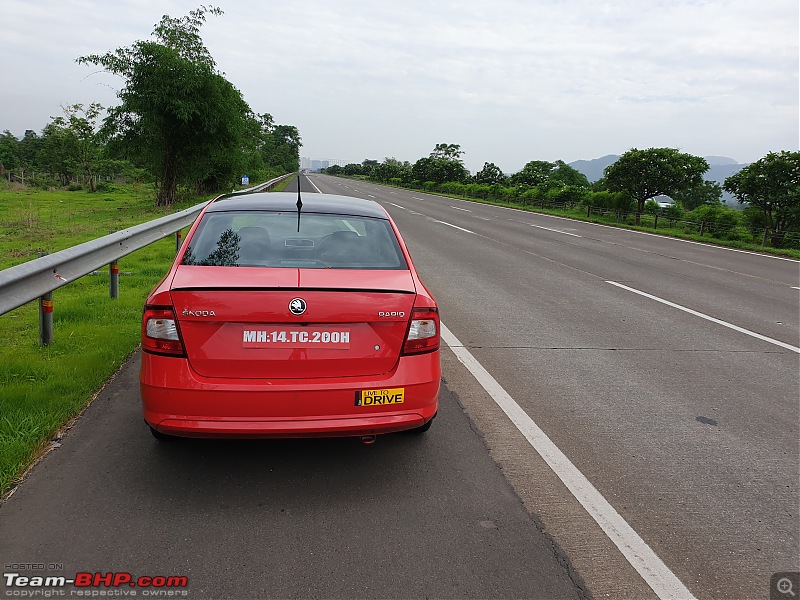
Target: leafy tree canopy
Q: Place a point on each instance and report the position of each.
(648, 173)
(772, 184)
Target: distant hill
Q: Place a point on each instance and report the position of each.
(720, 168)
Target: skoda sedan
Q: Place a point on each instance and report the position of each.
(290, 318)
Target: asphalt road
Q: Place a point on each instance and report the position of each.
(688, 427)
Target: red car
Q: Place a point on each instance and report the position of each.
(290, 318)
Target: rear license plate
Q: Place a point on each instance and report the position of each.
(380, 397)
(296, 337)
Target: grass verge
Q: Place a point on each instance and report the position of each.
(42, 389)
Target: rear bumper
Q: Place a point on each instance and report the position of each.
(178, 401)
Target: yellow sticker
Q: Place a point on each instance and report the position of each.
(380, 397)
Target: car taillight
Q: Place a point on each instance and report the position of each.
(160, 333)
(423, 332)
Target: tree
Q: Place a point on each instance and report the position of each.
(9, 153)
(178, 116)
(533, 173)
(439, 170)
(75, 138)
(447, 152)
(644, 174)
(490, 174)
(708, 192)
(772, 184)
(568, 175)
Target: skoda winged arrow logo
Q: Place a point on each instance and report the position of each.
(297, 306)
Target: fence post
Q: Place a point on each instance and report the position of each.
(45, 315)
(766, 235)
(178, 239)
(588, 211)
(113, 279)
(655, 221)
(702, 227)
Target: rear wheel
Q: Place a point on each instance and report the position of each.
(422, 428)
(161, 437)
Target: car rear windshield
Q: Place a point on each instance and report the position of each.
(272, 239)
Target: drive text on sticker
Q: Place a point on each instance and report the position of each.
(380, 397)
(296, 338)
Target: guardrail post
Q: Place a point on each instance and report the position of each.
(46, 319)
(113, 279)
(655, 221)
(45, 315)
(178, 240)
(766, 235)
(702, 227)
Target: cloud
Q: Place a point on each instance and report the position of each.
(510, 81)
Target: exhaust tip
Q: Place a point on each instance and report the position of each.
(368, 439)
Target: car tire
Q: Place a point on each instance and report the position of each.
(422, 428)
(161, 437)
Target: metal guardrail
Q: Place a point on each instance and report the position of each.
(38, 278)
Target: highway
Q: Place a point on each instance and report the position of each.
(664, 374)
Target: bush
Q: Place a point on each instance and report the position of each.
(74, 187)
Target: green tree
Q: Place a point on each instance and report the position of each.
(490, 174)
(439, 170)
(9, 153)
(447, 152)
(644, 174)
(568, 175)
(178, 116)
(772, 184)
(533, 173)
(708, 192)
(75, 139)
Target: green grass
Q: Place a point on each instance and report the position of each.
(41, 389)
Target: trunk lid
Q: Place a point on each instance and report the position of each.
(240, 325)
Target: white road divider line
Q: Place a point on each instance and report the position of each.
(312, 183)
(370, 195)
(464, 209)
(651, 568)
(453, 226)
(417, 198)
(555, 230)
(709, 318)
(397, 205)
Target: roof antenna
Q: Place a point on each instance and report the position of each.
(299, 203)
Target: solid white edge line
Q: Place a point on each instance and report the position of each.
(651, 568)
(312, 183)
(555, 230)
(709, 318)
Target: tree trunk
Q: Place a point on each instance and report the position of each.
(169, 182)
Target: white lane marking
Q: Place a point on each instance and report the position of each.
(397, 205)
(413, 212)
(709, 318)
(464, 209)
(451, 225)
(312, 184)
(370, 195)
(652, 569)
(795, 288)
(417, 198)
(484, 219)
(556, 230)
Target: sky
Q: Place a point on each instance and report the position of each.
(510, 81)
